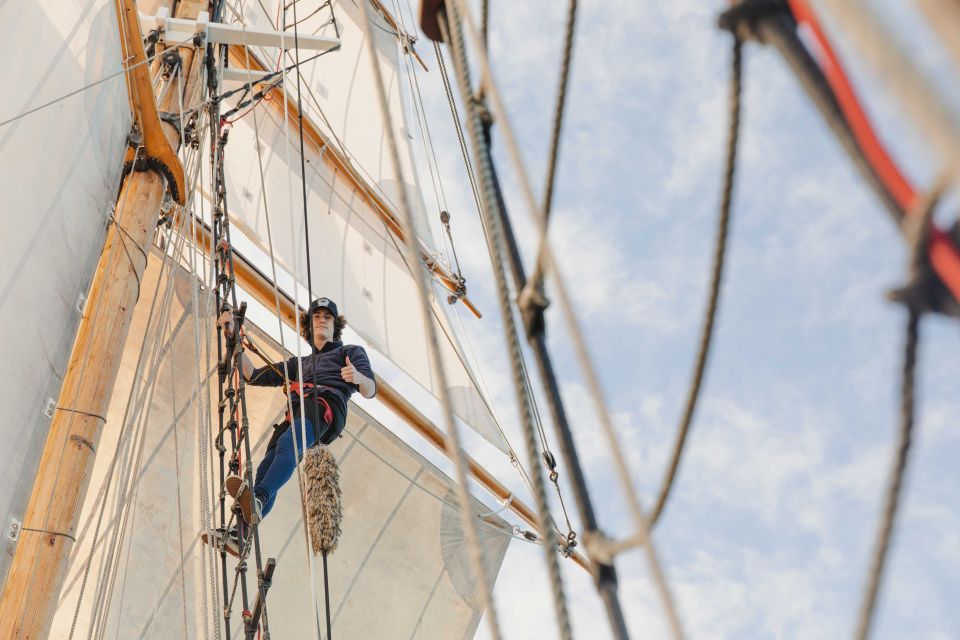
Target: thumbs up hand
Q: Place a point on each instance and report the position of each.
(349, 372)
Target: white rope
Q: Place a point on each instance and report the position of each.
(212, 608)
(137, 374)
(299, 345)
(473, 544)
(452, 32)
(130, 474)
(640, 520)
(201, 393)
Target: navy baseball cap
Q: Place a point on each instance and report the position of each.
(324, 303)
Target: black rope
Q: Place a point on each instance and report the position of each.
(916, 305)
(558, 111)
(254, 100)
(326, 596)
(716, 278)
(310, 15)
(136, 274)
(82, 413)
(53, 533)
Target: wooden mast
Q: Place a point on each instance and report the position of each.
(40, 560)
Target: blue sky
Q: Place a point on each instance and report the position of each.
(773, 518)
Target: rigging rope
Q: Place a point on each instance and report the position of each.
(293, 439)
(121, 440)
(535, 283)
(719, 253)
(86, 87)
(915, 304)
(452, 34)
(475, 553)
(491, 91)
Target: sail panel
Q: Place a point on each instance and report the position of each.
(59, 172)
(401, 554)
(339, 96)
(354, 258)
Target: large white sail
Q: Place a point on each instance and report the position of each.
(59, 173)
(402, 553)
(339, 96)
(355, 259)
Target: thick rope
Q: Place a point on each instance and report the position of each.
(719, 252)
(451, 29)
(593, 384)
(535, 283)
(299, 343)
(914, 304)
(473, 544)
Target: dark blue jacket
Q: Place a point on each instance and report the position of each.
(322, 369)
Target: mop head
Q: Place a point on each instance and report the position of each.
(324, 508)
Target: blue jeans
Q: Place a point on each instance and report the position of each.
(279, 463)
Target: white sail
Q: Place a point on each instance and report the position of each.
(401, 553)
(59, 172)
(339, 96)
(355, 259)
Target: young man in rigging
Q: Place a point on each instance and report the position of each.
(331, 373)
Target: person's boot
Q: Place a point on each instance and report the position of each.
(250, 507)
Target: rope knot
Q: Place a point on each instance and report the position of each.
(922, 292)
(533, 302)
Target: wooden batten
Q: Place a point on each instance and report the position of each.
(42, 553)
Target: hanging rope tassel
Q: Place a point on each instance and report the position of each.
(324, 509)
(324, 500)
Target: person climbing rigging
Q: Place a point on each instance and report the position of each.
(331, 374)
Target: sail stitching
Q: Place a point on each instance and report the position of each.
(299, 347)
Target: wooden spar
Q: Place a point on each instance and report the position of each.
(393, 23)
(259, 286)
(40, 559)
(241, 58)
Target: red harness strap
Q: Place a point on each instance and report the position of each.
(296, 387)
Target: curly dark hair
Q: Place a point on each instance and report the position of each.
(306, 327)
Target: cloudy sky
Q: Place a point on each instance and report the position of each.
(772, 522)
